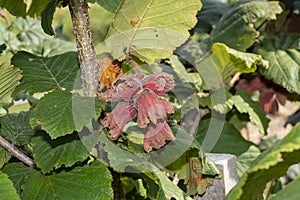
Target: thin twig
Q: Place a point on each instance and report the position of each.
(235, 78)
(15, 152)
(3, 14)
(261, 25)
(136, 67)
(175, 179)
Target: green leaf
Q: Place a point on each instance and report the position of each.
(17, 173)
(17, 8)
(54, 46)
(290, 192)
(36, 7)
(244, 104)
(109, 5)
(283, 53)
(119, 159)
(30, 32)
(44, 74)
(16, 128)
(230, 141)
(152, 29)
(7, 190)
(210, 15)
(9, 39)
(236, 28)
(4, 157)
(88, 182)
(9, 79)
(49, 154)
(61, 112)
(229, 61)
(54, 113)
(180, 69)
(198, 173)
(47, 16)
(271, 164)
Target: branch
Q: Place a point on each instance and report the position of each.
(15, 152)
(85, 46)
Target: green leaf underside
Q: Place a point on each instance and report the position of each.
(152, 29)
(284, 57)
(236, 29)
(61, 112)
(7, 190)
(44, 74)
(229, 61)
(290, 192)
(273, 163)
(109, 5)
(17, 173)
(16, 128)
(51, 154)
(17, 8)
(9, 79)
(244, 104)
(88, 182)
(231, 142)
(120, 159)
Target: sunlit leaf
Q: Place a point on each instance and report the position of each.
(7, 190)
(272, 163)
(16, 128)
(283, 53)
(51, 154)
(236, 29)
(228, 61)
(9, 79)
(107, 4)
(43, 74)
(290, 192)
(152, 29)
(88, 182)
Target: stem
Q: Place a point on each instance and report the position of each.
(3, 14)
(85, 46)
(15, 152)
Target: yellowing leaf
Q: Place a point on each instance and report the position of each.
(151, 29)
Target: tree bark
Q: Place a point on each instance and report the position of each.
(15, 152)
(85, 46)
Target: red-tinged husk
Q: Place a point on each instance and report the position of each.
(116, 120)
(156, 135)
